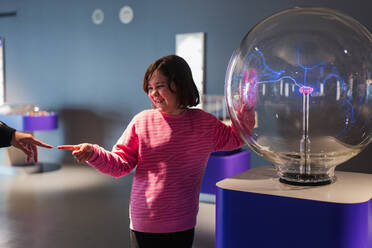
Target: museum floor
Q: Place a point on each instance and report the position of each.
(73, 206)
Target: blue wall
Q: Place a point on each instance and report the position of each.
(92, 74)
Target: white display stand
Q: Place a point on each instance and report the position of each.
(254, 209)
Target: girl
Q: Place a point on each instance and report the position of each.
(169, 146)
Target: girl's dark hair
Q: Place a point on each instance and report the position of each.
(177, 71)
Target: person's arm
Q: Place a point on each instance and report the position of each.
(6, 134)
(228, 137)
(124, 155)
(23, 141)
(115, 164)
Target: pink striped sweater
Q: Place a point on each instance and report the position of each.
(169, 154)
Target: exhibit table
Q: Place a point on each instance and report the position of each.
(254, 209)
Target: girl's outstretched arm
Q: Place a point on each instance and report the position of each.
(119, 162)
(114, 163)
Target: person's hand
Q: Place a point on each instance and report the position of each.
(28, 144)
(247, 120)
(248, 98)
(82, 152)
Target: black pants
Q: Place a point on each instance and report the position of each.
(182, 239)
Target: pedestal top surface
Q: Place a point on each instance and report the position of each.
(348, 187)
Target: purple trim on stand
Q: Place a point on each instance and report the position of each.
(222, 165)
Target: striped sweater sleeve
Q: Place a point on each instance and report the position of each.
(226, 137)
(122, 159)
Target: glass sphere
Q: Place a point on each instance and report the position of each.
(299, 91)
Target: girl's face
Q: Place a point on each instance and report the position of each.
(161, 96)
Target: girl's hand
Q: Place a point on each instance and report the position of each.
(247, 119)
(82, 152)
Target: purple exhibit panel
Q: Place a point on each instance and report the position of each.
(44, 122)
(30, 123)
(222, 165)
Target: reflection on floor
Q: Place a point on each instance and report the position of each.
(74, 206)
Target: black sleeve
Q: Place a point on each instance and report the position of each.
(6, 134)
